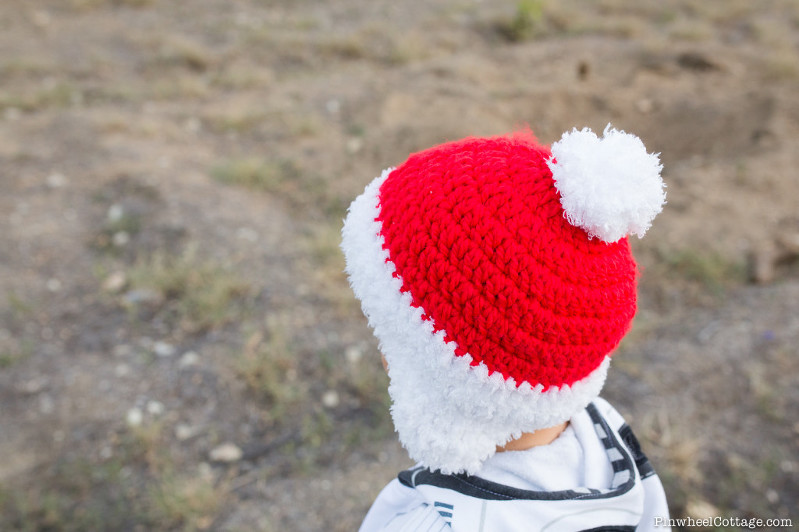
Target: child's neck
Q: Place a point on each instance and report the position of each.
(528, 440)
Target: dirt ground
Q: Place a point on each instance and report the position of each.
(179, 349)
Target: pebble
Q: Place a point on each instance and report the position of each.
(333, 106)
(56, 180)
(246, 233)
(115, 212)
(645, 105)
(330, 399)
(120, 239)
(53, 285)
(46, 404)
(699, 509)
(353, 354)
(183, 432)
(772, 496)
(193, 125)
(115, 282)
(354, 145)
(134, 417)
(156, 408)
(142, 295)
(227, 453)
(163, 349)
(121, 370)
(189, 358)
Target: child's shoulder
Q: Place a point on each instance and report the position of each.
(609, 412)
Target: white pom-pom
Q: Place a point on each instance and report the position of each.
(610, 186)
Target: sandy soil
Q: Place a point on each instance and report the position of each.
(179, 349)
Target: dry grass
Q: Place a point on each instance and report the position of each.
(269, 367)
(526, 23)
(184, 502)
(707, 270)
(59, 95)
(84, 5)
(254, 82)
(194, 294)
(257, 173)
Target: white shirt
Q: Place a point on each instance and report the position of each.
(592, 475)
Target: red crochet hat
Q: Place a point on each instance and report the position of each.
(498, 277)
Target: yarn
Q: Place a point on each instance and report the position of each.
(477, 234)
(495, 313)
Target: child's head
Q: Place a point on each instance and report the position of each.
(498, 278)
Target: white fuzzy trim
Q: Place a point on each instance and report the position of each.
(610, 187)
(449, 415)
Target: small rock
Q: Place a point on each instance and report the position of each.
(56, 180)
(699, 509)
(142, 296)
(134, 417)
(353, 354)
(189, 358)
(121, 370)
(163, 349)
(115, 212)
(227, 453)
(354, 145)
(183, 432)
(645, 105)
(246, 233)
(46, 404)
(120, 239)
(333, 106)
(53, 285)
(330, 399)
(193, 125)
(772, 496)
(155, 408)
(115, 282)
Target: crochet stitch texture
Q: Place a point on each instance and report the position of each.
(477, 234)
